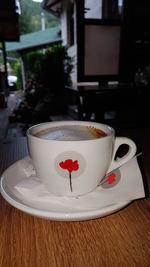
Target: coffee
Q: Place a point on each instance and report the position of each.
(70, 133)
(74, 168)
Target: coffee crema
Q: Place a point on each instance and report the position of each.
(70, 133)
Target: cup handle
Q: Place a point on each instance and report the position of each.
(115, 163)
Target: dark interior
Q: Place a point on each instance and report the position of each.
(120, 99)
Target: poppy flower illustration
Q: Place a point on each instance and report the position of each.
(110, 180)
(70, 166)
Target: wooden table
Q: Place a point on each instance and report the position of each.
(121, 239)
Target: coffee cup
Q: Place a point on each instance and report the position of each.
(71, 157)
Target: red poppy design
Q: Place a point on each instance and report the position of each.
(70, 166)
(111, 178)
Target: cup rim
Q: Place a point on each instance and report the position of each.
(71, 122)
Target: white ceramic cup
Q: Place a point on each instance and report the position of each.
(73, 168)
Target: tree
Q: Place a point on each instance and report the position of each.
(45, 94)
(47, 67)
(30, 18)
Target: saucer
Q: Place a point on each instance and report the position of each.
(55, 208)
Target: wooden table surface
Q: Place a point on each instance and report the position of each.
(121, 239)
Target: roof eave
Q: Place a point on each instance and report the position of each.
(30, 47)
(52, 6)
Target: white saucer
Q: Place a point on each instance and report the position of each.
(58, 208)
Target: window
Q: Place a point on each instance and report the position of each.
(102, 9)
(93, 9)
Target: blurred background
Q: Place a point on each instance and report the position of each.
(74, 60)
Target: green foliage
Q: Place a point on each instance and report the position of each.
(1, 63)
(24, 25)
(17, 72)
(33, 63)
(51, 69)
(30, 18)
